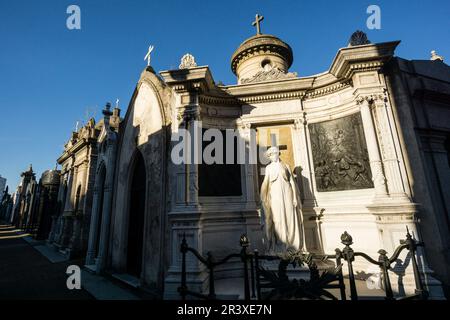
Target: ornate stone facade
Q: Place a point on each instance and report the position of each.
(345, 133)
(47, 205)
(70, 226)
(25, 199)
(99, 228)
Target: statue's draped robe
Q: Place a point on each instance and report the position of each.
(283, 221)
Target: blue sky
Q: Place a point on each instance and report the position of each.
(50, 75)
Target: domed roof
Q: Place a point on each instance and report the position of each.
(50, 177)
(261, 44)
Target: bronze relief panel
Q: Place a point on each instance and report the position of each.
(340, 157)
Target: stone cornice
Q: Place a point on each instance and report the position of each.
(217, 100)
(75, 148)
(365, 57)
(272, 97)
(339, 77)
(189, 79)
(318, 92)
(269, 86)
(275, 92)
(236, 101)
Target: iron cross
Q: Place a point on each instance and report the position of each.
(257, 22)
(147, 56)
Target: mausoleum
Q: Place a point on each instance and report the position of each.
(367, 141)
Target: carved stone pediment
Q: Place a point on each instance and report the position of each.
(272, 74)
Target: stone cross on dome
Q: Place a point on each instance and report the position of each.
(257, 23)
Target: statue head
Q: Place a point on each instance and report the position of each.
(273, 153)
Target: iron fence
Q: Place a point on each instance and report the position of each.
(325, 272)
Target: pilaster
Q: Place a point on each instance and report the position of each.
(376, 165)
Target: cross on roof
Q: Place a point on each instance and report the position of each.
(257, 22)
(147, 56)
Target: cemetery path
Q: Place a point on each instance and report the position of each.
(27, 275)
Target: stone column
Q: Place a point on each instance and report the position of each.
(64, 235)
(66, 231)
(58, 229)
(391, 162)
(185, 220)
(306, 174)
(376, 166)
(106, 214)
(51, 236)
(311, 213)
(68, 200)
(251, 163)
(192, 168)
(60, 208)
(78, 215)
(90, 256)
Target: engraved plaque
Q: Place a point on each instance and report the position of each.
(340, 157)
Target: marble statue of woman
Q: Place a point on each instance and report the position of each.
(282, 207)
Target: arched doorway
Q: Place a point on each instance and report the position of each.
(136, 217)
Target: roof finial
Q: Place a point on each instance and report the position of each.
(257, 22)
(435, 56)
(187, 61)
(107, 111)
(358, 38)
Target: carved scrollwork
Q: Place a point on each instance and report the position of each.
(378, 174)
(267, 75)
(188, 114)
(370, 98)
(187, 61)
(300, 122)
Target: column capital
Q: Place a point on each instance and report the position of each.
(370, 98)
(243, 125)
(300, 122)
(188, 113)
